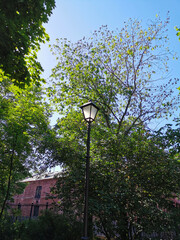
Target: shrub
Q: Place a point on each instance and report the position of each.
(52, 226)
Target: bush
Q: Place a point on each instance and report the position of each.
(47, 226)
(10, 229)
(52, 226)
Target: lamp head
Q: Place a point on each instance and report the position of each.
(89, 111)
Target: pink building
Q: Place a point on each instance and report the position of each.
(34, 199)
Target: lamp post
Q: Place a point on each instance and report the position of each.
(89, 111)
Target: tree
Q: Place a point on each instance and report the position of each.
(24, 123)
(120, 72)
(133, 178)
(21, 33)
(132, 184)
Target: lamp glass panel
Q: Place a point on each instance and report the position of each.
(86, 111)
(93, 112)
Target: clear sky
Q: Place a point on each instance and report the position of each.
(74, 19)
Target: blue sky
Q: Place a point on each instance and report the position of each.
(74, 19)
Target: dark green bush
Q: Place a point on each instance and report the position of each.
(49, 226)
(10, 229)
(52, 226)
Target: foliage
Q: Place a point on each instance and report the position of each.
(21, 33)
(9, 229)
(171, 137)
(178, 32)
(24, 122)
(124, 72)
(53, 226)
(48, 226)
(132, 181)
(133, 177)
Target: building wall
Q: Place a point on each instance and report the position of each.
(29, 202)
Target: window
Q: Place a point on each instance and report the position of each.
(19, 206)
(38, 192)
(36, 210)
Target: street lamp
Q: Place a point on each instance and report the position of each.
(89, 111)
